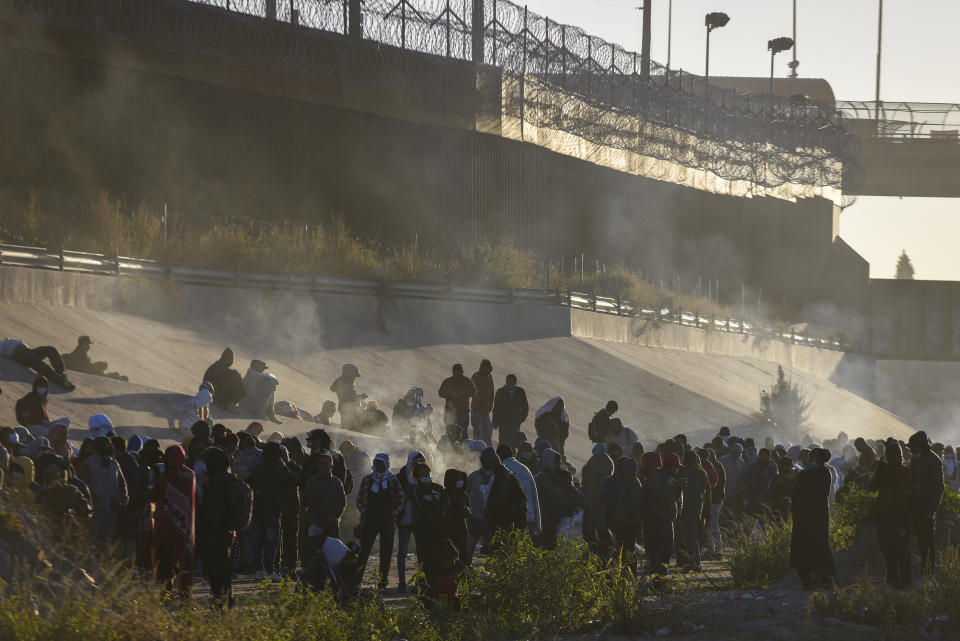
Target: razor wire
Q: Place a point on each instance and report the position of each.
(553, 76)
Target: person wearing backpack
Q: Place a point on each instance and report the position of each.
(599, 426)
(216, 534)
(175, 497)
(621, 497)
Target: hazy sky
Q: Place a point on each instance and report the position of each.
(836, 40)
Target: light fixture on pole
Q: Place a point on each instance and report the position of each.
(793, 64)
(713, 21)
(775, 46)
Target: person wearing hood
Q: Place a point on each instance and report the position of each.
(274, 489)
(136, 485)
(22, 478)
(33, 358)
(457, 390)
(228, 388)
(59, 443)
(529, 457)
(325, 500)
(456, 510)
(510, 410)
(696, 496)
(780, 494)
(407, 521)
(595, 473)
(197, 407)
(926, 492)
(810, 551)
(428, 499)
(61, 502)
(380, 501)
(755, 481)
(733, 466)
(892, 484)
(951, 469)
(410, 414)
(108, 489)
(558, 497)
(506, 508)
(37, 447)
(259, 389)
(482, 403)
(348, 399)
(622, 436)
(450, 445)
(357, 462)
(31, 410)
(651, 461)
(664, 499)
(621, 502)
(527, 483)
(868, 458)
(175, 495)
(553, 423)
(216, 537)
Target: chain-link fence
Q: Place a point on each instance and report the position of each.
(554, 76)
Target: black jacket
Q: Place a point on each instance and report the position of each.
(510, 407)
(275, 490)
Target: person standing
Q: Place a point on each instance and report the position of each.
(595, 473)
(457, 390)
(892, 483)
(274, 488)
(216, 537)
(664, 496)
(482, 403)
(510, 410)
(324, 500)
(696, 494)
(175, 496)
(553, 423)
(406, 523)
(810, 551)
(622, 505)
(926, 492)
(527, 483)
(733, 465)
(108, 489)
(380, 501)
(600, 423)
(714, 537)
(456, 510)
(506, 509)
(558, 497)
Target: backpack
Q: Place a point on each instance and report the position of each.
(239, 503)
(599, 427)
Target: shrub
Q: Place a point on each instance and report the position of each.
(873, 603)
(852, 512)
(784, 405)
(759, 551)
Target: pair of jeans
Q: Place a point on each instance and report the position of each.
(33, 359)
(714, 538)
(215, 548)
(893, 534)
(658, 535)
(924, 526)
(386, 533)
(403, 546)
(266, 534)
(482, 427)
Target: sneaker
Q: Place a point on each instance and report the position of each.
(276, 578)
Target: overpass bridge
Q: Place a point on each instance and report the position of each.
(907, 148)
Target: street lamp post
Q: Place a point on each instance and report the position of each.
(776, 46)
(794, 63)
(712, 21)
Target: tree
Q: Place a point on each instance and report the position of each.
(784, 405)
(904, 267)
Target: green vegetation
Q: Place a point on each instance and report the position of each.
(759, 551)
(784, 405)
(853, 511)
(521, 592)
(102, 224)
(933, 602)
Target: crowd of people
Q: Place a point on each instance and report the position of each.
(222, 502)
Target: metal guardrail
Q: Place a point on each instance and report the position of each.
(70, 261)
(903, 120)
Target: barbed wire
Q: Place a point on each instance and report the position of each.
(554, 76)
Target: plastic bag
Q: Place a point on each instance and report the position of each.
(571, 526)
